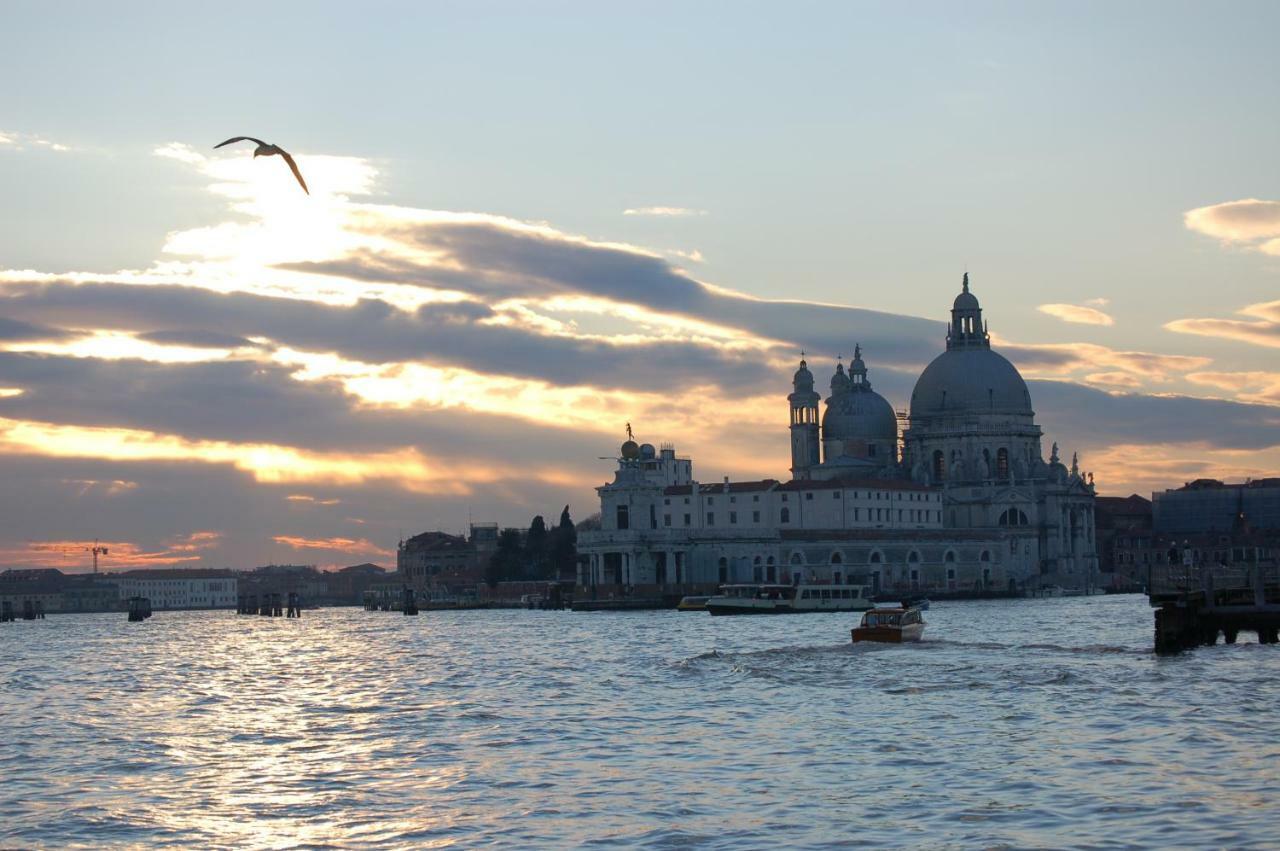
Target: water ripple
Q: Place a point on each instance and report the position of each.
(1015, 724)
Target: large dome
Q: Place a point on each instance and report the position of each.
(975, 380)
(859, 415)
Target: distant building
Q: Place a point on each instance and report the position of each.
(89, 593)
(970, 505)
(347, 585)
(437, 562)
(1209, 505)
(180, 588)
(42, 586)
(310, 584)
(1125, 534)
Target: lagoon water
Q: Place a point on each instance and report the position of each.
(1036, 723)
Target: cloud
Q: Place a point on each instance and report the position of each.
(1114, 379)
(196, 338)
(26, 141)
(1263, 331)
(13, 329)
(300, 497)
(1246, 220)
(181, 152)
(1069, 359)
(410, 363)
(1258, 386)
(353, 546)
(1148, 468)
(76, 555)
(670, 212)
(694, 256)
(114, 487)
(1077, 313)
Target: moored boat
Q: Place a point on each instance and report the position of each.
(766, 599)
(893, 626)
(692, 604)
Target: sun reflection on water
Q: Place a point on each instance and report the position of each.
(1026, 723)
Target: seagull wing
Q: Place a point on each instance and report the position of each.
(294, 166)
(240, 139)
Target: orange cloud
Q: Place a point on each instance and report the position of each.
(114, 487)
(1114, 379)
(1077, 313)
(1251, 386)
(75, 556)
(1144, 468)
(1263, 330)
(355, 546)
(302, 497)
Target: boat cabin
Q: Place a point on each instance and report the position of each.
(891, 617)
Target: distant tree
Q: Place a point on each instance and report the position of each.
(536, 555)
(563, 549)
(591, 524)
(507, 561)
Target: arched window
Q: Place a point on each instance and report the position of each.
(724, 570)
(939, 465)
(1002, 463)
(986, 556)
(836, 558)
(950, 558)
(796, 558)
(786, 515)
(771, 570)
(913, 557)
(624, 517)
(1013, 517)
(875, 558)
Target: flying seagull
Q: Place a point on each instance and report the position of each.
(265, 150)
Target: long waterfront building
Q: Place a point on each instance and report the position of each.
(969, 505)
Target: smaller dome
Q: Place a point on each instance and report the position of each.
(803, 377)
(839, 381)
(647, 452)
(631, 450)
(860, 416)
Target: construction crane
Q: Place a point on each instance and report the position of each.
(97, 550)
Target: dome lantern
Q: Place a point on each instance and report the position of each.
(967, 330)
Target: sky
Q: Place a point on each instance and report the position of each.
(532, 223)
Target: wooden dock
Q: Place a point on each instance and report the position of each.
(1195, 604)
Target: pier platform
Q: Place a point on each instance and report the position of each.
(1194, 605)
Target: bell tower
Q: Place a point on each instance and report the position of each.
(804, 422)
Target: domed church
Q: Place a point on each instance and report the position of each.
(959, 502)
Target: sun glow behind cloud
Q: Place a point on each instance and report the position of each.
(427, 297)
(75, 555)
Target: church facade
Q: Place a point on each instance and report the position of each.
(960, 501)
